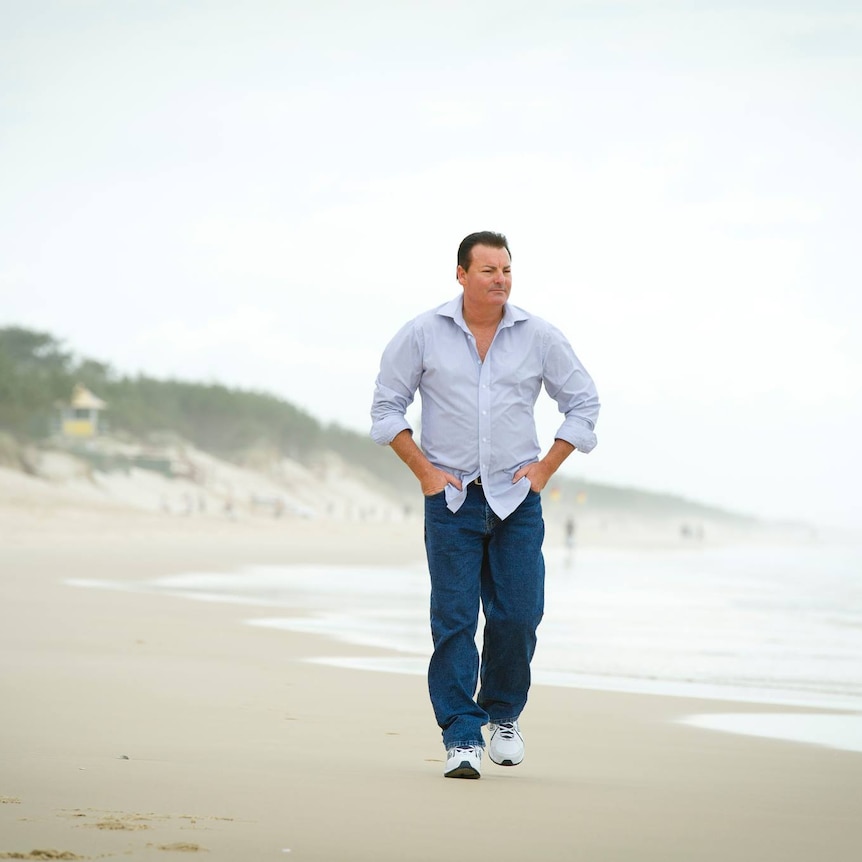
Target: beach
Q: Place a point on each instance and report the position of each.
(142, 726)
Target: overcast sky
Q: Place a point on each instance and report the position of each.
(260, 193)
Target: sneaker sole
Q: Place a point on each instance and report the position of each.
(463, 771)
(506, 762)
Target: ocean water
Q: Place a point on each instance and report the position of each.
(771, 625)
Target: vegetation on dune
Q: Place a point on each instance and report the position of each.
(37, 373)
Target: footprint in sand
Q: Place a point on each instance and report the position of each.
(43, 854)
(117, 825)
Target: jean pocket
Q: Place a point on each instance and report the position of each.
(529, 486)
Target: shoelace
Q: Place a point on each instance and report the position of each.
(507, 729)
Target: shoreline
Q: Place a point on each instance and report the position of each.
(775, 721)
(285, 600)
(301, 616)
(138, 727)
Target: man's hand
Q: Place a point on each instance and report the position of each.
(539, 472)
(437, 481)
(432, 480)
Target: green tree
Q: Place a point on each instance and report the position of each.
(34, 375)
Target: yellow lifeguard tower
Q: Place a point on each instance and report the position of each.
(80, 417)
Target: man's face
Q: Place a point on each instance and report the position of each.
(488, 280)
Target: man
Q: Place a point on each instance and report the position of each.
(478, 364)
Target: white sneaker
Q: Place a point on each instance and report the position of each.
(507, 745)
(464, 762)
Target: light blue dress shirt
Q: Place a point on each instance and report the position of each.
(477, 417)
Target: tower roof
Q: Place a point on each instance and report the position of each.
(84, 399)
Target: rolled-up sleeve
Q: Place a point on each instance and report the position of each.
(569, 384)
(395, 388)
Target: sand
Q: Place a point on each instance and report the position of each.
(149, 727)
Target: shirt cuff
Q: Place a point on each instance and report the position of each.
(385, 430)
(581, 436)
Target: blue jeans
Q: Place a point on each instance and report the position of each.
(473, 556)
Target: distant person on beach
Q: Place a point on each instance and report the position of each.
(478, 364)
(570, 532)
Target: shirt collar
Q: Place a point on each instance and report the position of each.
(455, 310)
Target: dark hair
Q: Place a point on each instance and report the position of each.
(483, 237)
